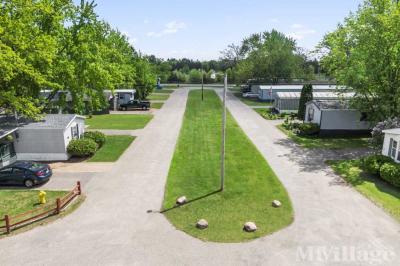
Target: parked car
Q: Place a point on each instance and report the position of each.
(25, 173)
(135, 104)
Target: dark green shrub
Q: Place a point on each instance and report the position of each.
(308, 129)
(391, 173)
(82, 147)
(96, 136)
(373, 163)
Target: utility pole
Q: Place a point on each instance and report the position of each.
(202, 83)
(223, 133)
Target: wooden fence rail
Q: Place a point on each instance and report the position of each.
(12, 222)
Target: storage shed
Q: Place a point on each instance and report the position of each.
(45, 140)
(288, 102)
(391, 144)
(336, 118)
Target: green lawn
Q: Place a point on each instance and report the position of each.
(157, 105)
(112, 149)
(251, 185)
(122, 122)
(313, 142)
(14, 202)
(377, 190)
(251, 101)
(158, 97)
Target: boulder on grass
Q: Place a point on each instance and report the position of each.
(276, 204)
(250, 227)
(202, 224)
(181, 200)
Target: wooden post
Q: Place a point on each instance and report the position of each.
(78, 185)
(7, 220)
(58, 206)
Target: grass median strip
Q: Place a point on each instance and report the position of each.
(112, 149)
(251, 185)
(377, 190)
(157, 105)
(251, 101)
(122, 122)
(158, 97)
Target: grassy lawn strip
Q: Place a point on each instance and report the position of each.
(313, 142)
(112, 149)
(157, 105)
(377, 190)
(251, 101)
(251, 185)
(122, 122)
(158, 97)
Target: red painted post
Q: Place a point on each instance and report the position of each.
(78, 184)
(7, 220)
(58, 206)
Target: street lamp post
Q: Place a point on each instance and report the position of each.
(202, 83)
(223, 134)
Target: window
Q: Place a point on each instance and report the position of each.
(75, 131)
(6, 172)
(311, 114)
(393, 149)
(363, 117)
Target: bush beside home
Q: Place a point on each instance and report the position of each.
(382, 166)
(96, 136)
(82, 147)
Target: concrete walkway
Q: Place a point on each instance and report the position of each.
(113, 227)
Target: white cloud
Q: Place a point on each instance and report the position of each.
(274, 20)
(146, 21)
(171, 27)
(300, 32)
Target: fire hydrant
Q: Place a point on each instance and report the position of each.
(42, 197)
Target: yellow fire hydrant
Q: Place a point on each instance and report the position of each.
(42, 197)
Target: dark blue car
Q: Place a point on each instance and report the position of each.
(25, 173)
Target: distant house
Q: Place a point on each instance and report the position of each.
(288, 102)
(45, 140)
(335, 118)
(269, 92)
(391, 144)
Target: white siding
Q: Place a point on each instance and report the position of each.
(317, 114)
(386, 144)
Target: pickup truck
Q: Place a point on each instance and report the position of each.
(135, 104)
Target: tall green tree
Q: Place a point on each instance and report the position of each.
(305, 96)
(363, 53)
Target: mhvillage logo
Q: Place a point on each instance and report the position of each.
(373, 253)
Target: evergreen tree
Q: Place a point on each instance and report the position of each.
(306, 96)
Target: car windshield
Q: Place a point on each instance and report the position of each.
(34, 166)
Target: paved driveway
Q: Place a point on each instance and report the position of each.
(113, 227)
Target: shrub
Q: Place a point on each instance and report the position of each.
(373, 163)
(378, 135)
(307, 129)
(96, 136)
(82, 147)
(391, 173)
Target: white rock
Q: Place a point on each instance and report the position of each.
(202, 224)
(181, 200)
(276, 203)
(250, 227)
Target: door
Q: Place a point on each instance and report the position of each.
(18, 176)
(6, 176)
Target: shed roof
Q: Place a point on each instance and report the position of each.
(52, 121)
(299, 87)
(316, 95)
(394, 131)
(331, 104)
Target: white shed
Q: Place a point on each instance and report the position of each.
(335, 118)
(391, 144)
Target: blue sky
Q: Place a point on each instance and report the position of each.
(201, 29)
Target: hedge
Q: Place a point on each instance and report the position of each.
(82, 147)
(96, 136)
(391, 173)
(373, 163)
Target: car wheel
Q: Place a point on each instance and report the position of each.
(28, 183)
(126, 109)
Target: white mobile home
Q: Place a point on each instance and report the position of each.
(45, 140)
(268, 92)
(391, 144)
(335, 117)
(288, 102)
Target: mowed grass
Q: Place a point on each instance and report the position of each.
(251, 101)
(313, 142)
(112, 149)
(121, 122)
(250, 184)
(158, 97)
(156, 105)
(377, 190)
(13, 202)
(164, 91)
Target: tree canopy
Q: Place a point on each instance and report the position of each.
(305, 96)
(363, 53)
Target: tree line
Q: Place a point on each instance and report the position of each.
(61, 47)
